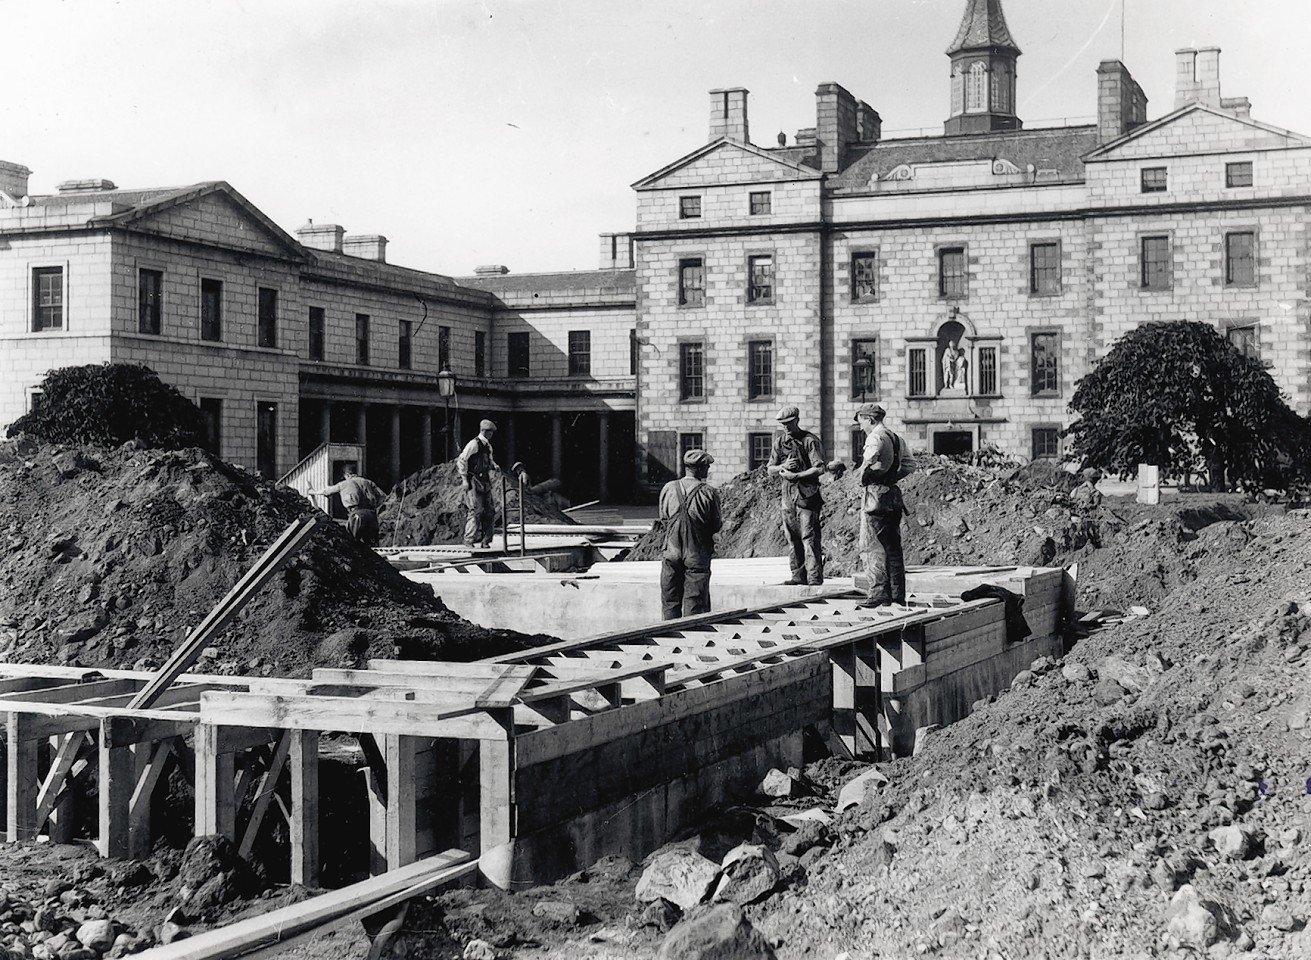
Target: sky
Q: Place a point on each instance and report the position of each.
(510, 131)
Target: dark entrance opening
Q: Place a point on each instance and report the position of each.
(949, 443)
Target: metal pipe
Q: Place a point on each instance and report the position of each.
(523, 539)
(505, 515)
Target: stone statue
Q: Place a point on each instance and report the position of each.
(954, 364)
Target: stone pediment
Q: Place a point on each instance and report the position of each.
(726, 161)
(212, 214)
(1197, 128)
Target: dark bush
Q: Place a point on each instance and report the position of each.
(110, 404)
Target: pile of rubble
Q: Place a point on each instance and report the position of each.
(111, 556)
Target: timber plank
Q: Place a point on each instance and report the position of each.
(579, 735)
(279, 926)
(412, 717)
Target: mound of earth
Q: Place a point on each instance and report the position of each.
(112, 555)
(428, 508)
(998, 515)
(1144, 796)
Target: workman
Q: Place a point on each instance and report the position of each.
(361, 497)
(1086, 497)
(797, 457)
(690, 509)
(475, 465)
(882, 508)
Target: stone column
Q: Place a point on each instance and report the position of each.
(362, 436)
(603, 454)
(508, 448)
(395, 465)
(557, 445)
(425, 438)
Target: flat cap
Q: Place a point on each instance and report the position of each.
(486, 425)
(695, 458)
(790, 412)
(872, 410)
(1091, 473)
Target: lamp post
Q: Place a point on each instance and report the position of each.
(446, 390)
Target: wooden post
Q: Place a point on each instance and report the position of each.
(400, 845)
(21, 772)
(215, 794)
(150, 760)
(117, 782)
(496, 782)
(304, 760)
(843, 660)
(54, 802)
(867, 696)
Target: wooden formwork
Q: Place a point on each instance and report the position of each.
(62, 724)
(557, 754)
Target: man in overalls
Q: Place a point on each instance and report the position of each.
(797, 457)
(690, 508)
(475, 464)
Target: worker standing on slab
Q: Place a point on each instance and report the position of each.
(690, 508)
(797, 457)
(361, 497)
(882, 508)
(475, 465)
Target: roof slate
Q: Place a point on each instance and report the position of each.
(620, 283)
(983, 26)
(1057, 148)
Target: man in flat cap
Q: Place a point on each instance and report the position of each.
(475, 465)
(881, 509)
(690, 508)
(797, 457)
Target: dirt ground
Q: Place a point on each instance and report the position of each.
(1147, 795)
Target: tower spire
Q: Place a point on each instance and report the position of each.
(983, 58)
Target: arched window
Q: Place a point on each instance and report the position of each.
(1001, 89)
(976, 88)
(957, 92)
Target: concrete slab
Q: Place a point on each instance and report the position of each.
(611, 597)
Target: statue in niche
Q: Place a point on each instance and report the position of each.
(954, 364)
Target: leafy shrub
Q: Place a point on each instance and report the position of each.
(110, 404)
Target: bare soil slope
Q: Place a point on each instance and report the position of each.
(112, 555)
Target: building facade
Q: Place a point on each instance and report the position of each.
(287, 342)
(968, 280)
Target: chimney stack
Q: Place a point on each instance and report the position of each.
(616, 251)
(1121, 103)
(321, 236)
(13, 179)
(1197, 77)
(869, 125)
(836, 124)
(728, 115)
(366, 246)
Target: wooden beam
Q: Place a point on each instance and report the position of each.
(304, 821)
(215, 773)
(117, 783)
(496, 792)
(268, 782)
(223, 613)
(74, 692)
(503, 691)
(277, 927)
(400, 841)
(143, 793)
(406, 717)
(21, 778)
(70, 746)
